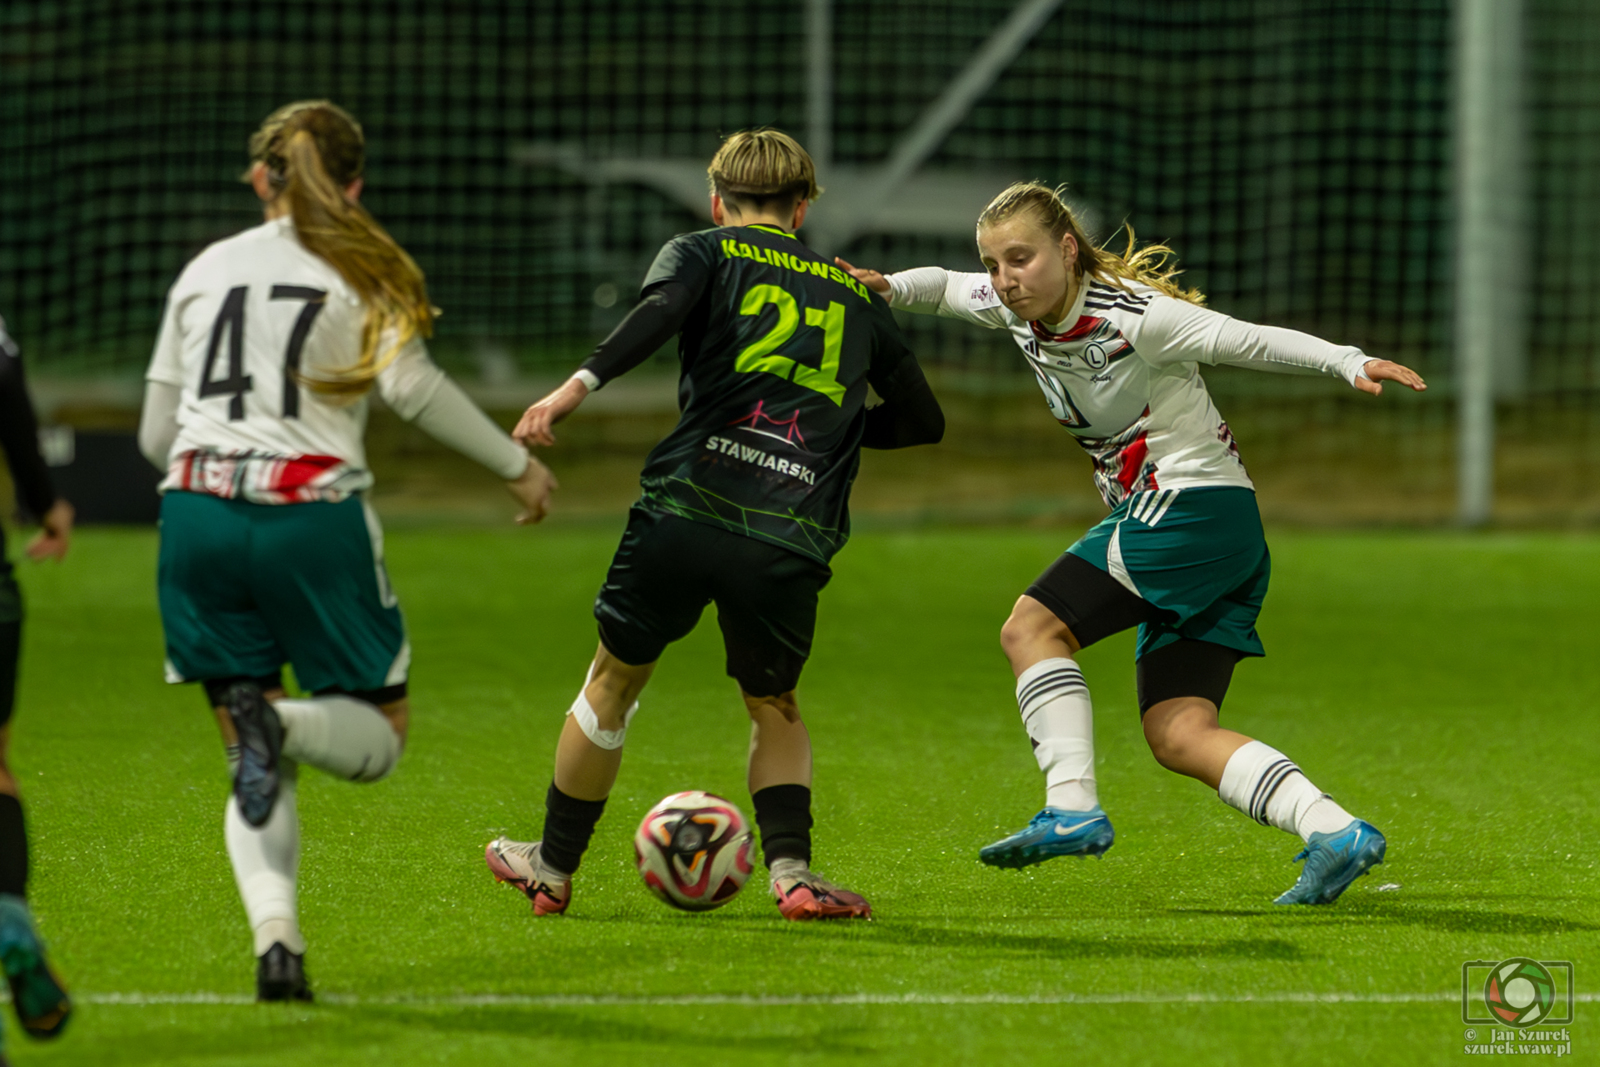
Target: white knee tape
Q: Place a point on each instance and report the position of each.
(589, 723)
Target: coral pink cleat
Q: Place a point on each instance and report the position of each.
(803, 895)
(519, 863)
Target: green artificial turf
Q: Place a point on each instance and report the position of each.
(1444, 687)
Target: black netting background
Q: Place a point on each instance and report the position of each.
(1296, 152)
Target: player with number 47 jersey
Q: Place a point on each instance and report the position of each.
(743, 504)
(255, 408)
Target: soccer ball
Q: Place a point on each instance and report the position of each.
(693, 850)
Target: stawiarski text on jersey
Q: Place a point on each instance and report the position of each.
(762, 458)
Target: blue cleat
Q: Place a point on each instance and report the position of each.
(1333, 861)
(41, 1003)
(1051, 833)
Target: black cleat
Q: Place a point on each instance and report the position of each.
(281, 975)
(260, 732)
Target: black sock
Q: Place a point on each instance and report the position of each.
(783, 814)
(13, 847)
(568, 825)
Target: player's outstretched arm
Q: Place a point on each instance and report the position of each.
(935, 291)
(532, 491)
(1173, 331)
(659, 314)
(874, 280)
(534, 426)
(55, 534)
(423, 395)
(1378, 371)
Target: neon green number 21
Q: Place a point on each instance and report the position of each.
(761, 356)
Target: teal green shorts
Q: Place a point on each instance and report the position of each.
(1197, 555)
(246, 588)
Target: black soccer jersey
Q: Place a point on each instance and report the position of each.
(776, 356)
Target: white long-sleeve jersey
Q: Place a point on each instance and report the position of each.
(1120, 372)
(225, 412)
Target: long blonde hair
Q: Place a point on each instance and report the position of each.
(1151, 265)
(313, 149)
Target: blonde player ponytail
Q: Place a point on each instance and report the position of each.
(1151, 265)
(313, 150)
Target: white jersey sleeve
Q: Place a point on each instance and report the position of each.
(418, 391)
(408, 382)
(1176, 331)
(166, 364)
(158, 421)
(949, 294)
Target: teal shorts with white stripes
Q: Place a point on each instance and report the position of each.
(1198, 555)
(245, 588)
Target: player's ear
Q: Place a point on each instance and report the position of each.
(717, 215)
(1069, 249)
(352, 192)
(261, 183)
(800, 214)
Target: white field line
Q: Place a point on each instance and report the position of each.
(140, 1000)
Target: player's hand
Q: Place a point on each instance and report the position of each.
(532, 491)
(1379, 371)
(872, 279)
(534, 427)
(52, 541)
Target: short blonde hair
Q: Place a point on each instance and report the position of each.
(761, 165)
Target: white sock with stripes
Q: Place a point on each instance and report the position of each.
(1267, 786)
(266, 863)
(1054, 702)
(340, 735)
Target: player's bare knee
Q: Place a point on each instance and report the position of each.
(609, 701)
(1175, 730)
(615, 685)
(1030, 625)
(1172, 751)
(785, 705)
(611, 717)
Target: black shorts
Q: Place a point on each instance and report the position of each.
(668, 569)
(1095, 605)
